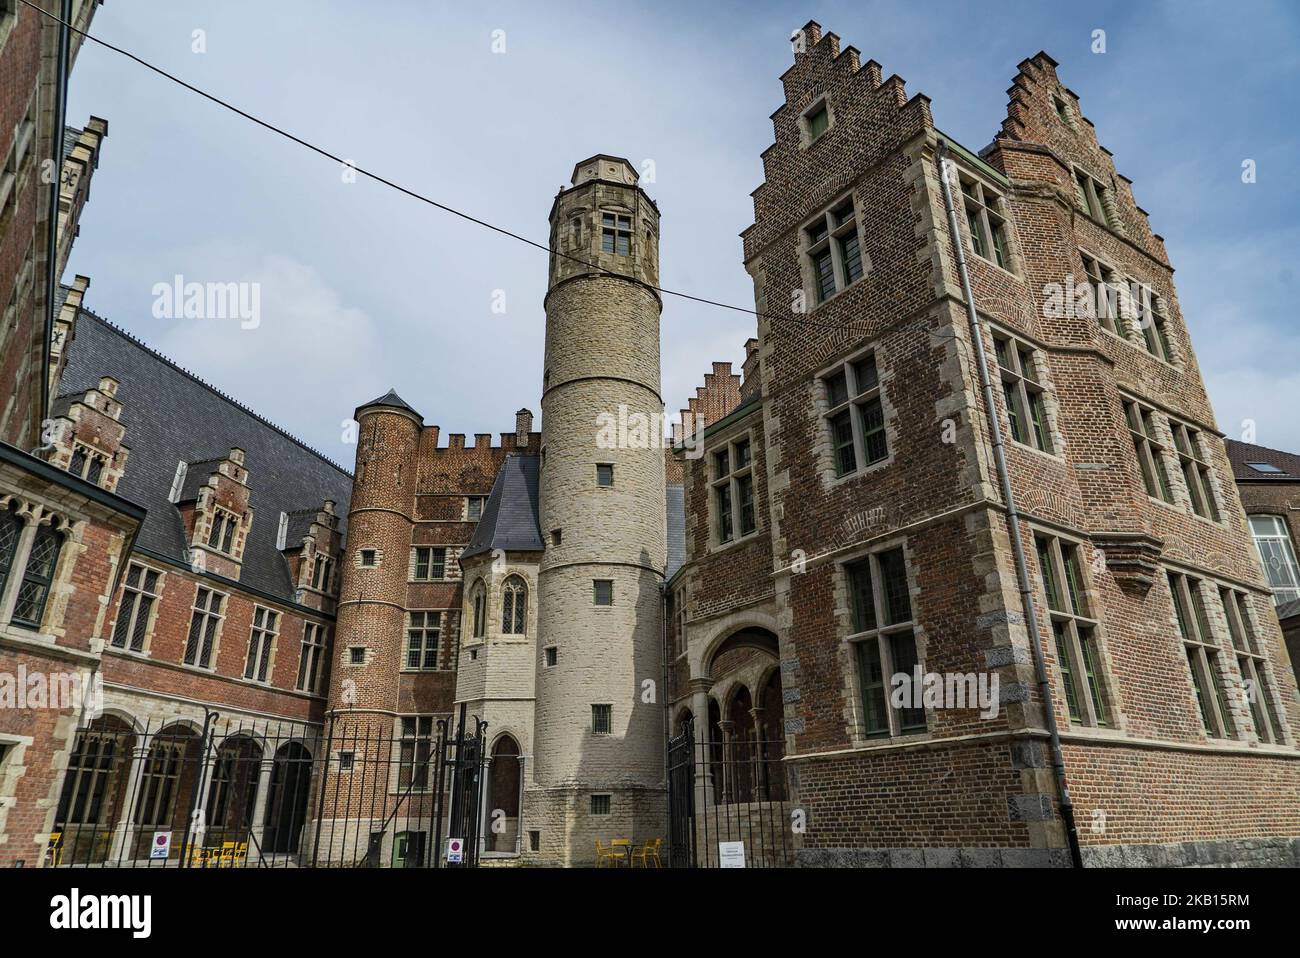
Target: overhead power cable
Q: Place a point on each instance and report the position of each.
(413, 194)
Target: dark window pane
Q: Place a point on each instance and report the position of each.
(893, 576)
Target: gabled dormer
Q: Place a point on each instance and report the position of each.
(212, 497)
(88, 436)
(311, 544)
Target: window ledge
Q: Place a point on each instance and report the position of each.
(733, 543)
(835, 295)
(1054, 456)
(992, 264)
(833, 480)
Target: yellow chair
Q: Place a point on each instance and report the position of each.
(623, 846)
(608, 856)
(55, 848)
(241, 854)
(649, 852)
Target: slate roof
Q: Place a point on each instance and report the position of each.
(675, 507)
(510, 515)
(172, 415)
(392, 400)
(1288, 609)
(1241, 453)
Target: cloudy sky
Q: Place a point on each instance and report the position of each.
(363, 289)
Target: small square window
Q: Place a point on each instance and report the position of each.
(474, 508)
(534, 841)
(556, 536)
(357, 655)
(600, 804)
(1265, 467)
(818, 120)
(552, 655)
(602, 591)
(368, 558)
(1061, 110)
(346, 761)
(604, 473)
(602, 717)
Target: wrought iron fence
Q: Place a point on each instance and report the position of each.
(729, 802)
(357, 791)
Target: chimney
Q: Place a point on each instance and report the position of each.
(523, 427)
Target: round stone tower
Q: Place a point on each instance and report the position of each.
(598, 739)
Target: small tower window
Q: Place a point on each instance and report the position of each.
(480, 610)
(602, 591)
(604, 473)
(615, 233)
(514, 605)
(818, 122)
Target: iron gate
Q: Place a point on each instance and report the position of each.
(729, 801)
(358, 791)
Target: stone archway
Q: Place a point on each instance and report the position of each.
(501, 830)
(286, 801)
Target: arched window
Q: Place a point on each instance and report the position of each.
(514, 605)
(479, 599)
(10, 527)
(34, 590)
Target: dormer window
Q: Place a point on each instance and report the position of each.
(86, 464)
(222, 533)
(322, 573)
(615, 233)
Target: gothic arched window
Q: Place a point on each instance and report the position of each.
(514, 605)
(479, 600)
(38, 576)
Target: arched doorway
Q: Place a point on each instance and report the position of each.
(772, 739)
(286, 801)
(232, 795)
(717, 758)
(740, 764)
(502, 826)
(95, 789)
(169, 777)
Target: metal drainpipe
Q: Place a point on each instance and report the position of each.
(52, 265)
(1013, 519)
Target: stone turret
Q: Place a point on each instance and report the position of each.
(599, 751)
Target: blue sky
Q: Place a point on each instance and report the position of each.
(362, 289)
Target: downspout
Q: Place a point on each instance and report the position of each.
(1013, 518)
(56, 185)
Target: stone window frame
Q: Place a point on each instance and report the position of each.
(205, 614)
(422, 755)
(881, 634)
(827, 232)
(373, 562)
(1254, 668)
(430, 562)
(87, 463)
(19, 162)
(804, 122)
(1107, 284)
(1150, 322)
(322, 581)
(429, 623)
(1062, 108)
(602, 718)
(595, 593)
(1083, 681)
(550, 656)
(679, 612)
(480, 610)
(263, 630)
(312, 655)
(603, 470)
(1153, 452)
(1027, 382)
(514, 599)
(602, 805)
(1204, 655)
(988, 227)
(1288, 562)
(223, 524)
(1092, 196)
(730, 483)
(139, 592)
(856, 399)
(353, 660)
(613, 228)
(1199, 480)
(469, 510)
(49, 528)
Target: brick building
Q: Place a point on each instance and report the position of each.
(866, 533)
(1268, 481)
(274, 643)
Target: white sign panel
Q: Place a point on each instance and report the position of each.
(162, 845)
(731, 854)
(455, 851)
